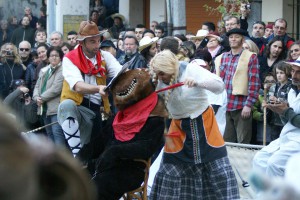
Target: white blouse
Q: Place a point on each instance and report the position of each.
(191, 102)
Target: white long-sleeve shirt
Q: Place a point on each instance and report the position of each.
(191, 102)
(73, 75)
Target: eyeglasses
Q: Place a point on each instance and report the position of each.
(270, 82)
(54, 56)
(24, 49)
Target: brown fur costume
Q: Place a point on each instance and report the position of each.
(117, 172)
(35, 169)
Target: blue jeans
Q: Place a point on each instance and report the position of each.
(54, 132)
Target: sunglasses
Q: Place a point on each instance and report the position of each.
(24, 49)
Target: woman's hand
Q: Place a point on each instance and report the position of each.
(190, 82)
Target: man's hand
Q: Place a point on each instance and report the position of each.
(39, 101)
(101, 90)
(246, 112)
(278, 107)
(24, 89)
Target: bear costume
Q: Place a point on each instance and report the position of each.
(138, 130)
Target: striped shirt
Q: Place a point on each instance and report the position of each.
(228, 67)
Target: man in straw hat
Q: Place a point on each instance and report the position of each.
(272, 159)
(239, 70)
(85, 70)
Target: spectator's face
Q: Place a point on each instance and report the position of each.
(204, 27)
(152, 26)
(269, 81)
(158, 33)
(117, 21)
(296, 76)
(36, 60)
(95, 16)
(149, 35)
(212, 43)
(41, 37)
(295, 51)
(56, 40)
(121, 45)
(54, 58)
(25, 21)
(258, 31)
(236, 41)
(3, 25)
(72, 40)
(275, 49)
(281, 76)
(27, 11)
(153, 50)
(268, 32)
(246, 46)
(231, 24)
(130, 46)
(42, 53)
(9, 48)
(65, 50)
(24, 50)
(279, 28)
(90, 46)
(139, 33)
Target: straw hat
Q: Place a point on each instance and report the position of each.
(146, 42)
(119, 16)
(88, 29)
(296, 62)
(201, 34)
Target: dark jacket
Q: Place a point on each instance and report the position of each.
(26, 114)
(23, 33)
(115, 30)
(9, 71)
(8, 36)
(30, 77)
(137, 61)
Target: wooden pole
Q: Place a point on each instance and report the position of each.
(265, 117)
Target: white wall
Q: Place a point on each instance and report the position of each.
(69, 14)
(124, 9)
(157, 11)
(272, 10)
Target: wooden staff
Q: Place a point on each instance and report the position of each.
(40, 128)
(265, 116)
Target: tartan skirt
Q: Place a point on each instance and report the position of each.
(213, 180)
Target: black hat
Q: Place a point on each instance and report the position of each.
(237, 31)
(107, 43)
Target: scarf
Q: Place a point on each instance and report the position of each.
(131, 120)
(85, 65)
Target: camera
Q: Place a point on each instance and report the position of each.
(248, 6)
(26, 95)
(9, 53)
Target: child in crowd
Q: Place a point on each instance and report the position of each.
(258, 113)
(281, 90)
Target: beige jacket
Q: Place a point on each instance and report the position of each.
(53, 89)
